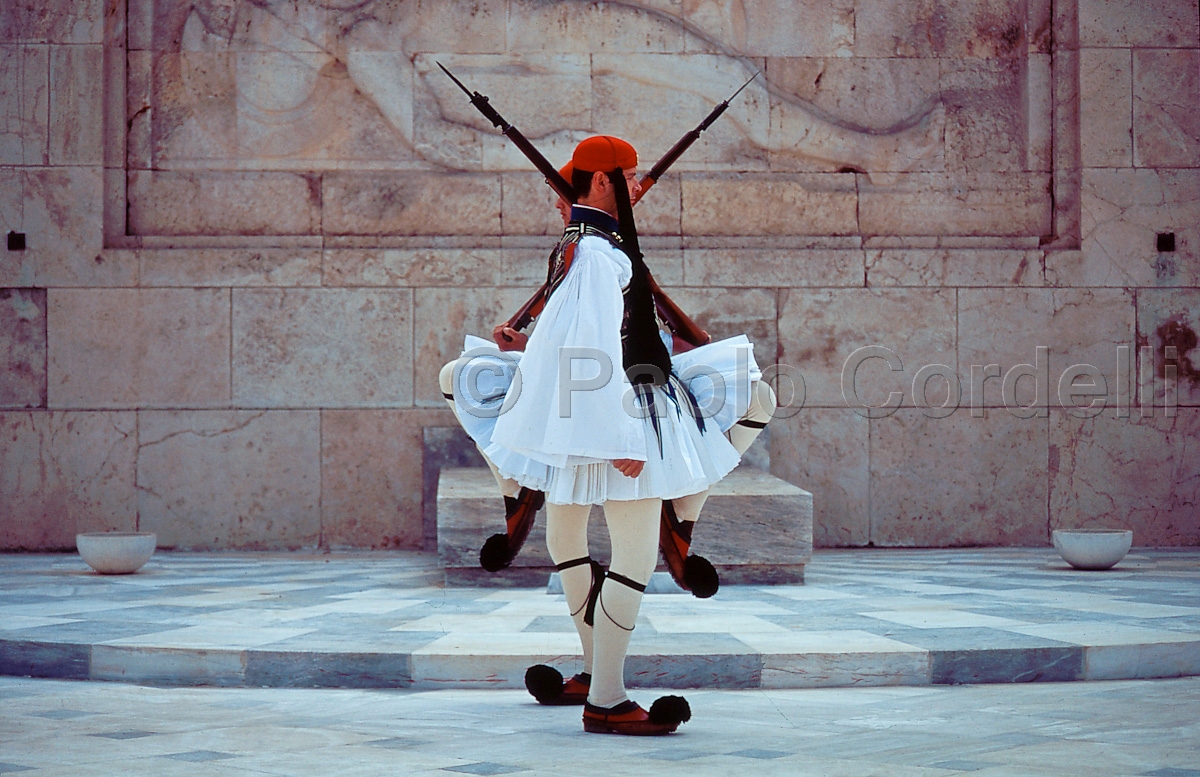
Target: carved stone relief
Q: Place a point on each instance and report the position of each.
(295, 87)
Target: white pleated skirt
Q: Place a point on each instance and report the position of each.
(687, 447)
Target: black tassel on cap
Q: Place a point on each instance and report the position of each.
(646, 357)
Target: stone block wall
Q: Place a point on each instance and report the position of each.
(255, 230)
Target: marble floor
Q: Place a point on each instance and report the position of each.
(1093, 729)
(384, 620)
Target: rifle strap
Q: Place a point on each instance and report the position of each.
(559, 271)
(564, 252)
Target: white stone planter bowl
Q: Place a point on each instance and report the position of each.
(116, 552)
(1092, 548)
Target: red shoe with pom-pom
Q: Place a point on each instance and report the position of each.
(629, 719)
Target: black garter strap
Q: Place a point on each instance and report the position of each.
(575, 562)
(641, 589)
(625, 581)
(753, 424)
(593, 592)
(448, 396)
(589, 615)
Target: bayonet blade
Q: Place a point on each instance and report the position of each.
(757, 73)
(460, 83)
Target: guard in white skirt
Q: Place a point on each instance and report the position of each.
(596, 411)
(678, 518)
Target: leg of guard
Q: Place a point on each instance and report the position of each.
(687, 508)
(691, 572)
(749, 426)
(520, 511)
(507, 487)
(633, 530)
(446, 383)
(566, 539)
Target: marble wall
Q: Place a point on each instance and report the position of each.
(255, 229)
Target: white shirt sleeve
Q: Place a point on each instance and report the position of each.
(564, 414)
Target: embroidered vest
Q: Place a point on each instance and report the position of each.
(564, 253)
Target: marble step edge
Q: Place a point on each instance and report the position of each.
(430, 669)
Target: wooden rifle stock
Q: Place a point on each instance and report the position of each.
(530, 310)
(484, 106)
(553, 177)
(683, 144)
(680, 323)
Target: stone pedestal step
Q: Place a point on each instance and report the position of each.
(382, 620)
(755, 528)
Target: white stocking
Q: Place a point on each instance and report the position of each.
(507, 487)
(762, 407)
(687, 508)
(633, 531)
(446, 383)
(566, 539)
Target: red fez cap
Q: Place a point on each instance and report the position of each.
(603, 154)
(567, 170)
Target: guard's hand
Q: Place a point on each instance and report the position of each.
(509, 339)
(629, 467)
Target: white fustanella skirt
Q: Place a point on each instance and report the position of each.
(685, 420)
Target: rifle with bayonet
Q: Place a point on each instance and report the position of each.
(684, 143)
(553, 177)
(680, 324)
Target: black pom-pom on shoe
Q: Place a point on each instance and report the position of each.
(670, 711)
(547, 685)
(690, 572)
(700, 577)
(544, 683)
(494, 555)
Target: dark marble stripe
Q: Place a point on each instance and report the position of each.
(157, 613)
(11, 598)
(761, 574)
(545, 624)
(965, 639)
(513, 577)
(328, 670)
(1019, 665)
(39, 659)
(93, 631)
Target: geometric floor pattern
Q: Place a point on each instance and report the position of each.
(384, 620)
(52, 728)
